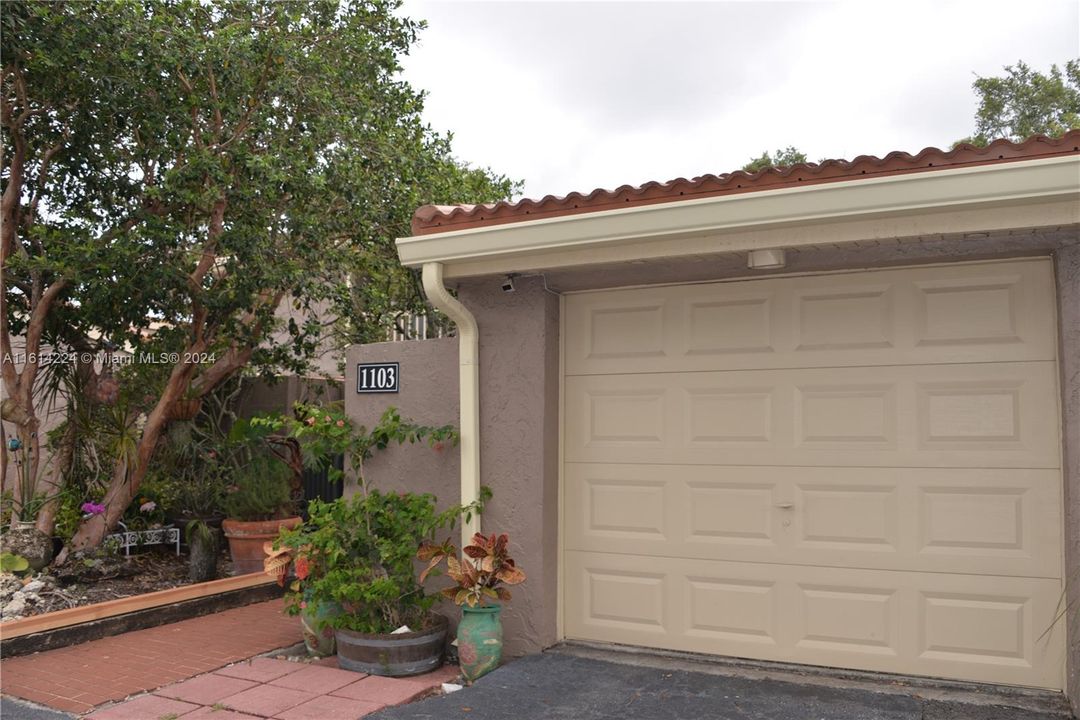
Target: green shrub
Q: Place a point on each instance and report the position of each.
(360, 553)
(260, 490)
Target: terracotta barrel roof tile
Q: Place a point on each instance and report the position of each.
(443, 218)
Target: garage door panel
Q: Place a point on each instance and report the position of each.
(940, 415)
(984, 628)
(992, 522)
(856, 470)
(951, 314)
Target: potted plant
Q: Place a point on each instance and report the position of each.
(257, 506)
(479, 579)
(292, 552)
(357, 554)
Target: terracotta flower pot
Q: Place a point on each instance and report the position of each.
(246, 538)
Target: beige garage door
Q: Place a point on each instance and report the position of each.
(855, 470)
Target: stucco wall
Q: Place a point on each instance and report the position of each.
(519, 436)
(519, 430)
(1067, 265)
(428, 395)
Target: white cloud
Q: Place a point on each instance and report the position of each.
(573, 96)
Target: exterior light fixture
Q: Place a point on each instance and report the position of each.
(765, 259)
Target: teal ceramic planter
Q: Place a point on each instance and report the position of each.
(480, 641)
(318, 636)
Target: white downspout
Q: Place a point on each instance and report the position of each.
(468, 387)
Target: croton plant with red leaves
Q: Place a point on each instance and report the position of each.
(480, 575)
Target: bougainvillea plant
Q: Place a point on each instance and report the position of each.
(480, 575)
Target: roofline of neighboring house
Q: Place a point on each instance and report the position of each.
(1043, 191)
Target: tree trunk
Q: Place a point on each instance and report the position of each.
(126, 479)
(46, 520)
(203, 555)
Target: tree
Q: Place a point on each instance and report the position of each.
(785, 157)
(1024, 102)
(178, 172)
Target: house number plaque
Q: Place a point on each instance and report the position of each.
(377, 377)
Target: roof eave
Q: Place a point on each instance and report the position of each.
(609, 234)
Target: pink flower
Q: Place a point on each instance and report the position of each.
(340, 423)
(148, 506)
(327, 418)
(92, 508)
(310, 421)
(303, 604)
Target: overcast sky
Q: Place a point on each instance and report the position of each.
(578, 95)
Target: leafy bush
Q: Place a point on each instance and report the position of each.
(359, 553)
(260, 490)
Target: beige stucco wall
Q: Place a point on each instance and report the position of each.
(428, 395)
(519, 436)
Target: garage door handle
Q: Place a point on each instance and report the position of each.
(785, 505)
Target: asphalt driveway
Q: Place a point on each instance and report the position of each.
(562, 686)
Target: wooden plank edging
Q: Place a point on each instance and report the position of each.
(123, 606)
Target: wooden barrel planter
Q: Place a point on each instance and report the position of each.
(398, 655)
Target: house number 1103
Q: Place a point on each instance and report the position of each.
(377, 377)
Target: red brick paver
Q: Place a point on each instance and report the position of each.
(144, 708)
(383, 690)
(78, 678)
(261, 669)
(316, 679)
(267, 700)
(206, 689)
(328, 707)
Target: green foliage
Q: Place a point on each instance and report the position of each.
(323, 432)
(274, 140)
(187, 171)
(784, 157)
(69, 513)
(13, 563)
(260, 490)
(359, 553)
(144, 512)
(197, 531)
(1024, 102)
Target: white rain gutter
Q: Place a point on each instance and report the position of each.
(469, 389)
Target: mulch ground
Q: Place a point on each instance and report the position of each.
(156, 568)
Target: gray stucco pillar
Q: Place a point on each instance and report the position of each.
(519, 430)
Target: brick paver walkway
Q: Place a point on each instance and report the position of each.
(78, 678)
(267, 688)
